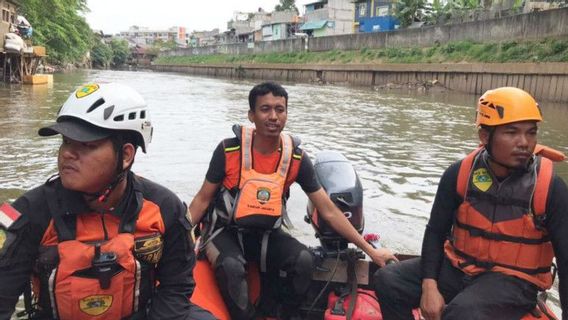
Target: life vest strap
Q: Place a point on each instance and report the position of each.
(488, 265)
(477, 232)
(499, 200)
(264, 250)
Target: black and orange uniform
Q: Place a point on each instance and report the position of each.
(229, 244)
(497, 227)
(489, 243)
(133, 262)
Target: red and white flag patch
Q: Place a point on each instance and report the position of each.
(8, 215)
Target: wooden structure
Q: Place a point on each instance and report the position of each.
(21, 67)
(14, 65)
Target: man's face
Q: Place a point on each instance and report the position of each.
(86, 166)
(269, 116)
(513, 144)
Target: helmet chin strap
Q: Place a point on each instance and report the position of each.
(103, 195)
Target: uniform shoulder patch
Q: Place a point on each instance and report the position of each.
(8, 215)
(482, 179)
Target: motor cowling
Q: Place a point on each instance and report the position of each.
(341, 182)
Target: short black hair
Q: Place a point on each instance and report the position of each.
(266, 88)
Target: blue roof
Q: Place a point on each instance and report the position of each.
(311, 25)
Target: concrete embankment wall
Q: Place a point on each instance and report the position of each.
(536, 25)
(546, 81)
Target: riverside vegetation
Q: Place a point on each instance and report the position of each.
(545, 50)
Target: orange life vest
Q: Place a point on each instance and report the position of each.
(82, 276)
(260, 199)
(498, 227)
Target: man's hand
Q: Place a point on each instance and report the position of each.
(432, 302)
(382, 256)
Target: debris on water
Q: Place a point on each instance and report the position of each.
(421, 86)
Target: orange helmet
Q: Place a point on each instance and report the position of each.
(506, 105)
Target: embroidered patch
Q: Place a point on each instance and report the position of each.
(8, 215)
(95, 305)
(149, 249)
(482, 179)
(86, 90)
(263, 195)
(3, 237)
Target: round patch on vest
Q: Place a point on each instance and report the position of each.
(86, 90)
(95, 305)
(482, 179)
(263, 195)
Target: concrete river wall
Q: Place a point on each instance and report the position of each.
(546, 81)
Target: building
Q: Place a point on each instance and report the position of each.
(143, 36)
(204, 38)
(258, 20)
(328, 18)
(281, 25)
(9, 8)
(375, 15)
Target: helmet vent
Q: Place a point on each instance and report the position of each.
(108, 112)
(96, 104)
(132, 116)
(143, 114)
(119, 118)
(500, 111)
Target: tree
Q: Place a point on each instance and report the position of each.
(101, 55)
(286, 5)
(409, 11)
(462, 8)
(120, 52)
(439, 12)
(60, 27)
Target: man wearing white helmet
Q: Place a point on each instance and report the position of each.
(96, 240)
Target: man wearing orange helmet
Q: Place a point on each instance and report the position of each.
(496, 224)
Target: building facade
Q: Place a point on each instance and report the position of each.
(328, 18)
(9, 13)
(375, 16)
(143, 36)
(281, 25)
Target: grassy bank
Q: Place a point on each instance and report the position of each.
(546, 50)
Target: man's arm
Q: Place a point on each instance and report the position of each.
(17, 253)
(211, 184)
(337, 220)
(175, 268)
(557, 227)
(439, 226)
(201, 201)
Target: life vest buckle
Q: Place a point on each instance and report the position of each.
(104, 265)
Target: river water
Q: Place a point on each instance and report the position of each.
(399, 142)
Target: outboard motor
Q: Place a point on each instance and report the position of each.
(340, 181)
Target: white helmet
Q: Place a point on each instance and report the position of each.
(104, 108)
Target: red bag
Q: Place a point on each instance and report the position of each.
(366, 306)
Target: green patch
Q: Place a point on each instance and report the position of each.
(3, 237)
(482, 179)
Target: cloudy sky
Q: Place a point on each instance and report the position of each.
(112, 16)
